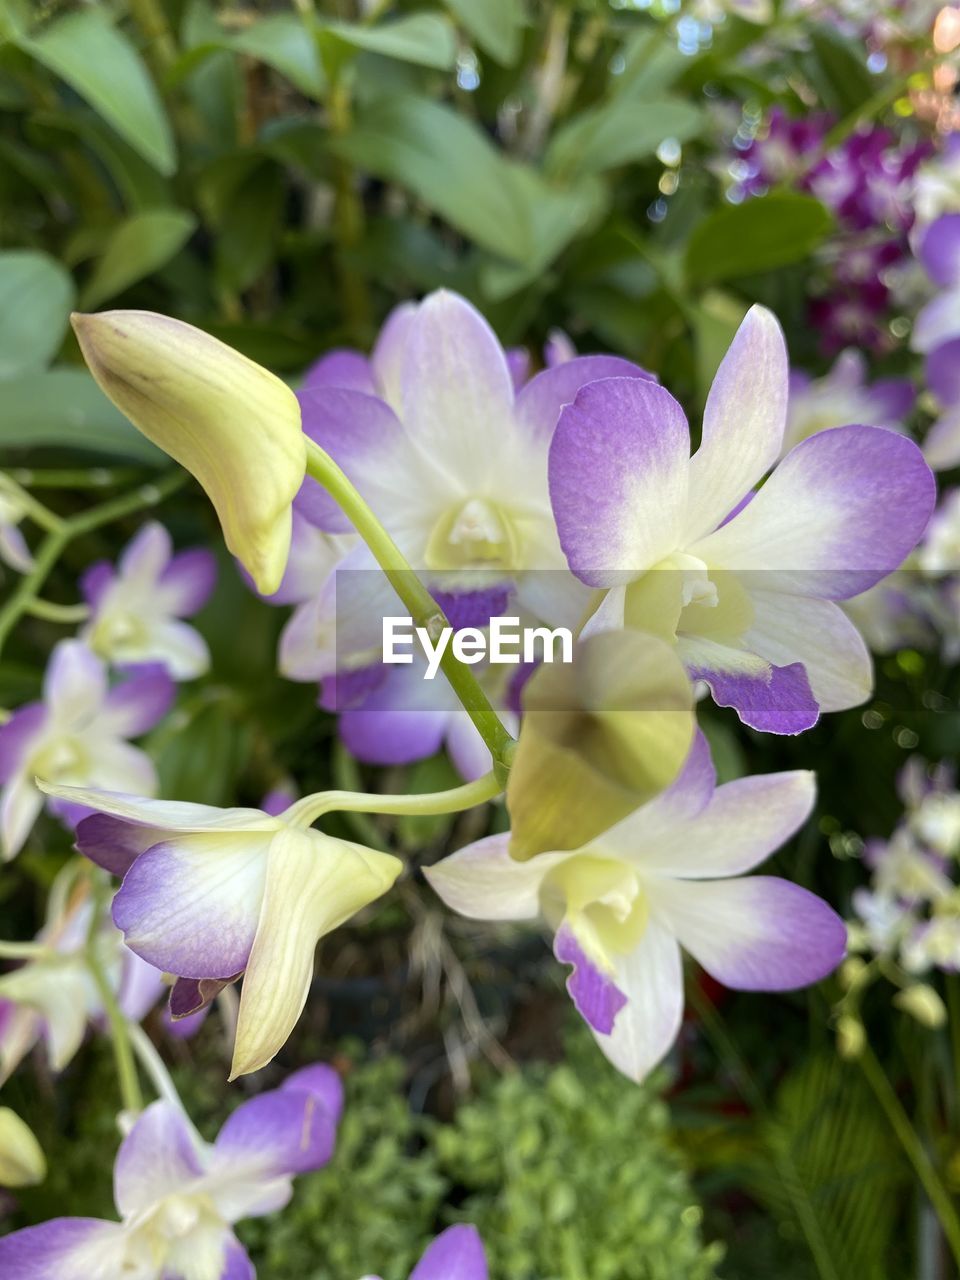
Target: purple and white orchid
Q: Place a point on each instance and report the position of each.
(745, 583)
(209, 894)
(669, 876)
(77, 734)
(136, 609)
(14, 551)
(456, 1254)
(52, 996)
(843, 396)
(178, 1197)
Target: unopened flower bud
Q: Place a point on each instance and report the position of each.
(851, 1037)
(600, 737)
(232, 424)
(21, 1159)
(923, 1004)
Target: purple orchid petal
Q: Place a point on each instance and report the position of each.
(341, 368)
(190, 996)
(779, 702)
(693, 788)
(392, 736)
(236, 1262)
(756, 933)
(16, 737)
(473, 608)
(156, 1158)
(940, 251)
(456, 1254)
(891, 401)
(348, 689)
(184, 1028)
(597, 997)
(96, 581)
(138, 702)
(140, 987)
(389, 351)
(190, 906)
(284, 1131)
(943, 372)
(75, 682)
(540, 401)
(618, 478)
(363, 436)
(467, 750)
(147, 553)
(62, 1249)
(518, 362)
(187, 582)
(323, 1082)
(841, 511)
(112, 843)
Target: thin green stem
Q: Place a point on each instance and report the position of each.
(25, 951)
(119, 1026)
(75, 477)
(28, 504)
(940, 1199)
(423, 805)
(50, 612)
(424, 610)
(156, 1069)
(58, 538)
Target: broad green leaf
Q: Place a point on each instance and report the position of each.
(101, 64)
(284, 43)
(251, 226)
(36, 297)
(138, 182)
(426, 39)
(759, 235)
(446, 161)
(496, 25)
(139, 246)
(621, 131)
(65, 408)
(649, 65)
(837, 68)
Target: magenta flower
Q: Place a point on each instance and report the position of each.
(77, 735)
(178, 1197)
(670, 876)
(136, 610)
(456, 1254)
(744, 583)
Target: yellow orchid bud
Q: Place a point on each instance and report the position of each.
(229, 422)
(600, 736)
(923, 1004)
(21, 1159)
(851, 1037)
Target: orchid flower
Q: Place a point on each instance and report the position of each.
(456, 1254)
(843, 396)
(52, 996)
(451, 459)
(14, 551)
(136, 610)
(669, 876)
(209, 894)
(231, 423)
(77, 734)
(178, 1197)
(941, 445)
(745, 584)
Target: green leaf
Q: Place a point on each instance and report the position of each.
(66, 408)
(284, 43)
(104, 68)
(446, 161)
(426, 39)
(251, 228)
(837, 68)
(139, 246)
(756, 236)
(496, 26)
(36, 298)
(619, 132)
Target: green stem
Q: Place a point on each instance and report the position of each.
(58, 538)
(119, 1027)
(36, 511)
(424, 804)
(424, 610)
(75, 477)
(25, 951)
(50, 612)
(156, 1069)
(348, 218)
(916, 1152)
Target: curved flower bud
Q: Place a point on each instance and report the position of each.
(231, 423)
(599, 737)
(21, 1159)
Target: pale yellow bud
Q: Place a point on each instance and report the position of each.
(599, 737)
(922, 1003)
(228, 421)
(21, 1160)
(851, 1037)
(851, 971)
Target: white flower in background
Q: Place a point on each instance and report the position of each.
(136, 610)
(14, 551)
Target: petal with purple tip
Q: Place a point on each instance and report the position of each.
(940, 251)
(64, 1249)
(618, 478)
(17, 736)
(156, 1158)
(281, 1132)
(185, 585)
(540, 401)
(768, 698)
(456, 1254)
(138, 702)
(341, 368)
(758, 933)
(75, 682)
(323, 1082)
